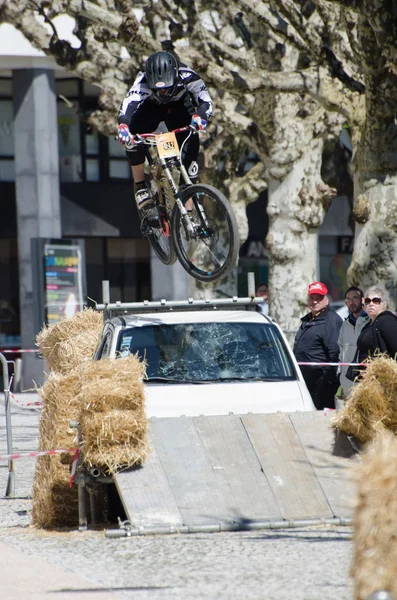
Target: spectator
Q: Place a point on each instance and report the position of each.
(262, 290)
(349, 332)
(317, 341)
(381, 331)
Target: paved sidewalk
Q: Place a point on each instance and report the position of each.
(24, 577)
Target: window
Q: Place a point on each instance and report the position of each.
(210, 351)
(9, 294)
(119, 167)
(7, 164)
(69, 143)
(125, 262)
(85, 154)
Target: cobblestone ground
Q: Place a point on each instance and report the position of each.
(299, 564)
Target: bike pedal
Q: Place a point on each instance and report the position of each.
(150, 217)
(154, 223)
(152, 220)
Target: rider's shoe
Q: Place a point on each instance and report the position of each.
(143, 197)
(146, 207)
(150, 216)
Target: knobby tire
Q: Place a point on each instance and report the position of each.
(214, 251)
(160, 238)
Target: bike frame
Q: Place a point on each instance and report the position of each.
(149, 139)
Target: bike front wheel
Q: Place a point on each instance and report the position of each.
(210, 251)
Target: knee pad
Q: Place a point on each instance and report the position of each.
(136, 156)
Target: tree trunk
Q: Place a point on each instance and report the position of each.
(375, 165)
(298, 201)
(296, 208)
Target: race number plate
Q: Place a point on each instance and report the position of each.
(167, 145)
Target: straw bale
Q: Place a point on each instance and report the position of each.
(374, 563)
(113, 384)
(114, 440)
(372, 405)
(107, 398)
(61, 403)
(113, 420)
(54, 503)
(67, 343)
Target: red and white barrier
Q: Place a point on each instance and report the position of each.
(37, 403)
(306, 364)
(74, 451)
(17, 351)
(74, 467)
(7, 457)
(329, 364)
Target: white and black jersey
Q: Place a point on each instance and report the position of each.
(190, 88)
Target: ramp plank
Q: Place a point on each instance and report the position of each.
(286, 466)
(245, 490)
(188, 471)
(146, 495)
(316, 436)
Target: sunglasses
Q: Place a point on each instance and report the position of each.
(373, 300)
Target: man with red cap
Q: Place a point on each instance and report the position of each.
(317, 341)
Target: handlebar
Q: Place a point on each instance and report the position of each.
(148, 138)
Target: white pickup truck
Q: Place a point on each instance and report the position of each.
(206, 357)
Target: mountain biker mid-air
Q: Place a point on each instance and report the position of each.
(166, 91)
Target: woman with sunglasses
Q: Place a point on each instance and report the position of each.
(380, 335)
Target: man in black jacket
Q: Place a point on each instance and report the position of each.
(317, 341)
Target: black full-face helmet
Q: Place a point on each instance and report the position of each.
(161, 71)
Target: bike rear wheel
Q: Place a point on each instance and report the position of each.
(160, 237)
(212, 251)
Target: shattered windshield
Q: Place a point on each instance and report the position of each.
(198, 352)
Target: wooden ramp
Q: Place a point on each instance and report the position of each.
(238, 472)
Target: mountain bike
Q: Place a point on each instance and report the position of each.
(193, 222)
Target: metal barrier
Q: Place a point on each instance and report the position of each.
(10, 490)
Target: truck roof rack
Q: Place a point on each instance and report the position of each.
(170, 305)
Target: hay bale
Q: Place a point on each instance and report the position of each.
(371, 407)
(107, 398)
(110, 384)
(114, 440)
(113, 420)
(66, 344)
(374, 563)
(61, 404)
(54, 503)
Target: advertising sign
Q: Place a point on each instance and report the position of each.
(63, 281)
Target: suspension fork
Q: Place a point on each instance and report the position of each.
(197, 204)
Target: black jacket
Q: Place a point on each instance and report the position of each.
(380, 334)
(317, 339)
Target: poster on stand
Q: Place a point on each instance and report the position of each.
(64, 294)
(59, 279)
